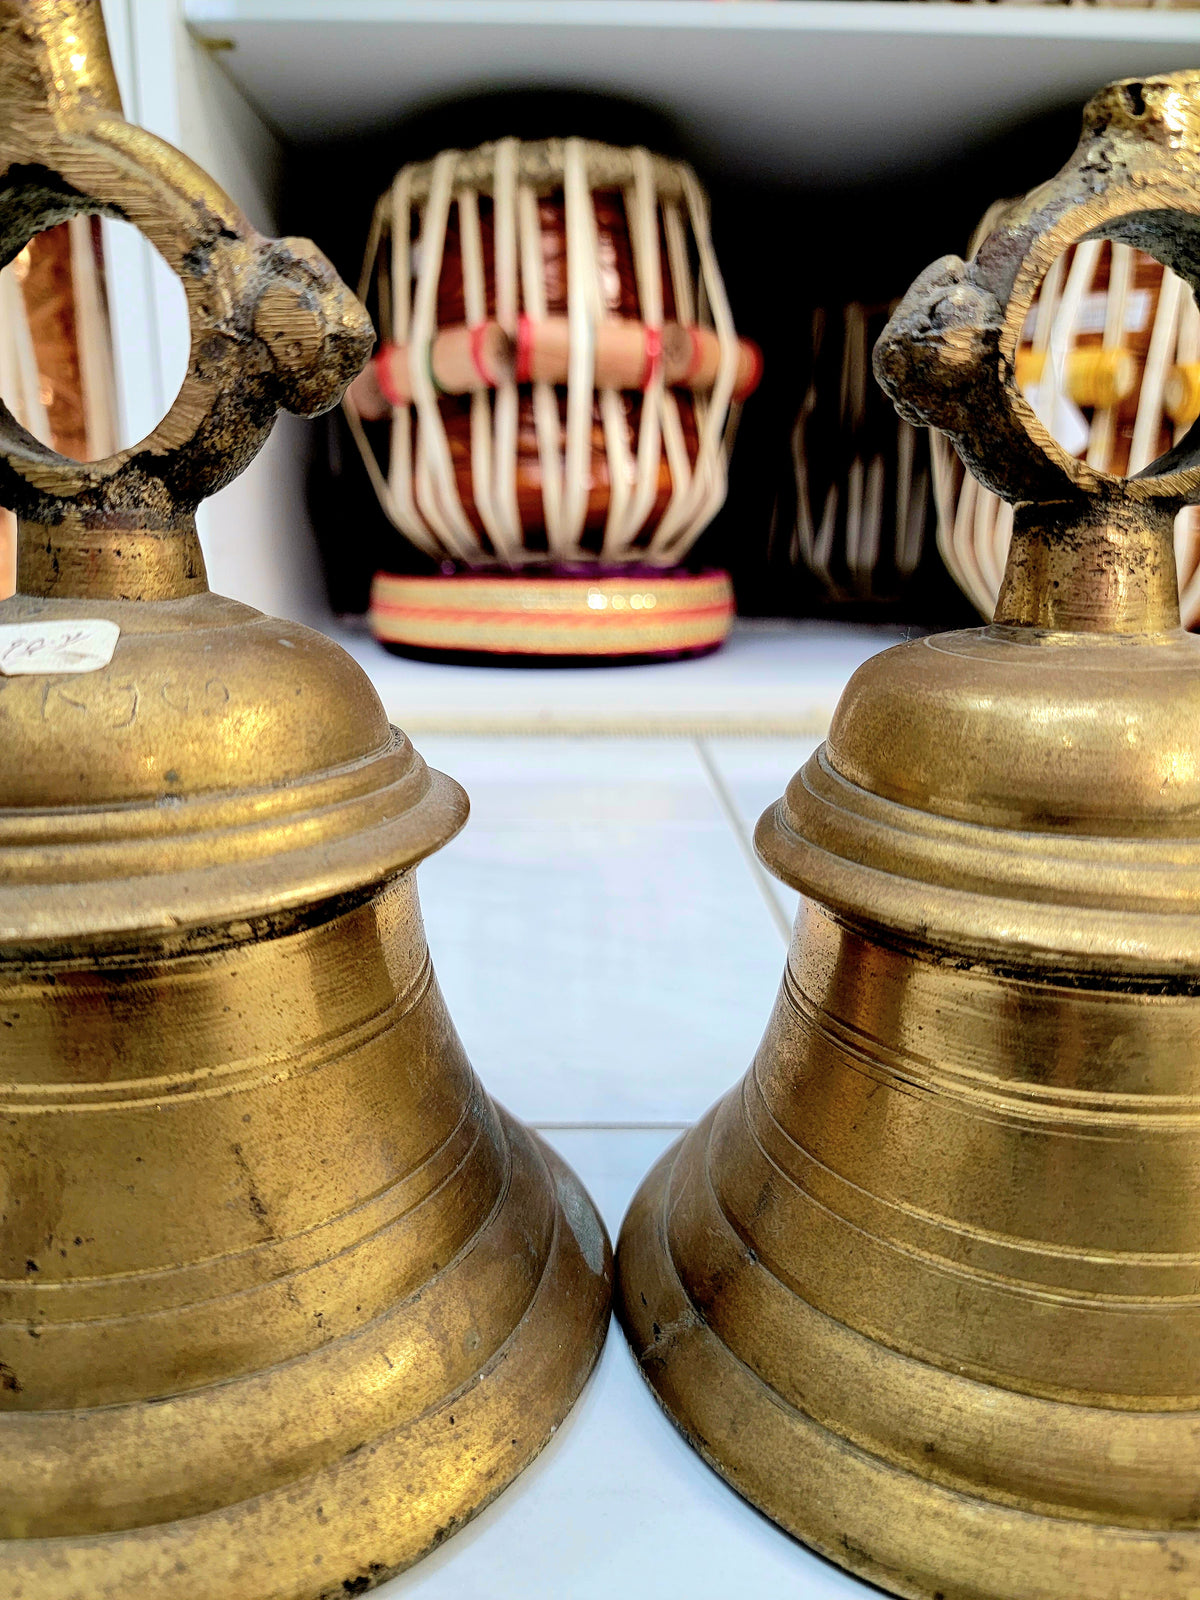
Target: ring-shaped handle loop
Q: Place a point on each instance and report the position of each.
(272, 327)
(948, 356)
(1091, 552)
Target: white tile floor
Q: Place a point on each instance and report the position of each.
(609, 948)
(618, 1504)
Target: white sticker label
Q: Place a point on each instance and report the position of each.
(48, 647)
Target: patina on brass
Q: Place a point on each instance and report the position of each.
(926, 1286)
(284, 1298)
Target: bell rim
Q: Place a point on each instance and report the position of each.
(349, 1525)
(905, 1533)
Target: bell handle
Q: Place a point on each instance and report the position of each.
(272, 326)
(1091, 551)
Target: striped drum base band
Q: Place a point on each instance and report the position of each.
(590, 616)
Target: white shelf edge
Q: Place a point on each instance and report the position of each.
(911, 17)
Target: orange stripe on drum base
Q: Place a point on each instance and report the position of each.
(553, 615)
(557, 619)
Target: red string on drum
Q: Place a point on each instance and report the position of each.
(627, 355)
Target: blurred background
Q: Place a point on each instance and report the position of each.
(843, 145)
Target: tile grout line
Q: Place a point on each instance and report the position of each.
(734, 818)
(537, 726)
(610, 1127)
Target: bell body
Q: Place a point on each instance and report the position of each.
(924, 1286)
(284, 1298)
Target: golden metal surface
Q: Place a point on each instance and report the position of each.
(925, 1286)
(284, 1299)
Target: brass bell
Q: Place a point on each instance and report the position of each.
(925, 1287)
(284, 1298)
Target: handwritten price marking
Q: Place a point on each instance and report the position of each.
(26, 649)
(83, 645)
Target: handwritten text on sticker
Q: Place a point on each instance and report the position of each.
(46, 647)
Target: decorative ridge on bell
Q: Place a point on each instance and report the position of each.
(923, 1286)
(284, 1297)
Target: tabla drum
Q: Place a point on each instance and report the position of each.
(1109, 359)
(562, 374)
